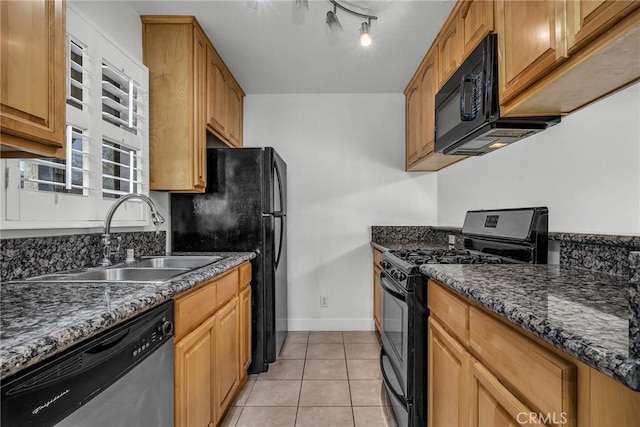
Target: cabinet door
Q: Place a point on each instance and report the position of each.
(234, 118)
(377, 299)
(216, 93)
(449, 50)
(32, 90)
(245, 330)
(226, 378)
(531, 42)
(194, 394)
(476, 21)
(492, 405)
(428, 107)
(588, 18)
(412, 119)
(199, 129)
(448, 383)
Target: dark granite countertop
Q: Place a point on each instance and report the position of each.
(591, 316)
(41, 319)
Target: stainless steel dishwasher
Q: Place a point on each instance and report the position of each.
(122, 377)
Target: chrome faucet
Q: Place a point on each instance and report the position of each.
(106, 239)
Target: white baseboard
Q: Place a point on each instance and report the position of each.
(331, 324)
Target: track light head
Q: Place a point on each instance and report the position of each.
(332, 21)
(365, 36)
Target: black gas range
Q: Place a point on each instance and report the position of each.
(504, 236)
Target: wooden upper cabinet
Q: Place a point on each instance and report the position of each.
(174, 50)
(449, 49)
(32, 70)
(476, 21)
(191, 91)
(413, 123)
(199, 129)
(531, 42)
(234, 115)
(588, 18)
(217, 93)
(428, 106)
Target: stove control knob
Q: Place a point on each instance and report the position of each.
(402, 277)
(385, 264)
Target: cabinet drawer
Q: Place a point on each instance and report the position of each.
(245, 275)
(193, 309)
(227, 287)
(534, 374)
(452, 311)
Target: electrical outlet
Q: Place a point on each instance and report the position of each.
(324, 301)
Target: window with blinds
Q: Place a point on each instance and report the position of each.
(121, 170)
(56, 175)
(121, 100)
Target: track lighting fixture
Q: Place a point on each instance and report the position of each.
(332, 21)
(365, 37)
(334, 24)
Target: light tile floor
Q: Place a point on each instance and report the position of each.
(321, 379)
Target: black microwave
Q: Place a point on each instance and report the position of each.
(468, 118)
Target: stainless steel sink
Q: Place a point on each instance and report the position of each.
(149, 270)
(128, 274)
(176, 262)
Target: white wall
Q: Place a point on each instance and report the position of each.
(585, 169)
(345, 161)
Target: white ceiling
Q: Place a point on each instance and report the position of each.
(270, 47)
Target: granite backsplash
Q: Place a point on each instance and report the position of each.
(415, 234)
(604, 253)
(32, 256)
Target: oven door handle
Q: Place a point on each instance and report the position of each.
(389, 289)
(397, 395)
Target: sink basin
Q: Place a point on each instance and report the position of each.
(176, 262)
(127, 274)
(148, 270)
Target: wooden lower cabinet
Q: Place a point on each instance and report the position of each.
(503, 376)
(448, 362)
(194, 369)
(226, 376)
(377, 290)
(212, 348)
(492, 405)
(245, 330)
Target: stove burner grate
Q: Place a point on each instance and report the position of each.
(445, 256)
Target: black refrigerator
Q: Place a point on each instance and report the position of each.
(244, 209)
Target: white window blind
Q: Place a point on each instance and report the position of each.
(56, 175)
(77, 73)
(122, 100)
(121, 170)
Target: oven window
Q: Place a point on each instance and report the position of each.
(394, 326)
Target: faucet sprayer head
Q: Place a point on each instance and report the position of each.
(157, 218)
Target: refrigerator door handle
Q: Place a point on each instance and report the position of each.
(282, 225)
(279, 177)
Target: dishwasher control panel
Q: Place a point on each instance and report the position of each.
(156, 335)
